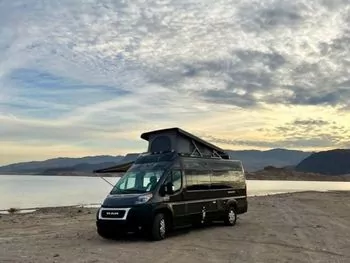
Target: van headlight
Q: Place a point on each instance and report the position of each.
(98, 212)
(143, 198)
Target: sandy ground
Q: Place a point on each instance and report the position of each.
(300, 227)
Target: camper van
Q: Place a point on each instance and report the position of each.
(181, 181)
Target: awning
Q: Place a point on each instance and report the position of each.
(120, 168)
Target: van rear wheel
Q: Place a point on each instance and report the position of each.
(231, 216)
(159, 227)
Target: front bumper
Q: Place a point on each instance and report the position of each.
(242, 206)
(125, 219)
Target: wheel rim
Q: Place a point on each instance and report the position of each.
(162, 227)
(231, 216)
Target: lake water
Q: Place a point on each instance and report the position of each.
(21, 191)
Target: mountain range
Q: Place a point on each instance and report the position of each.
(253, 160)
(334, 162)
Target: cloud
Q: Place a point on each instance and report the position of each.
(311, 127)
(268, 15)
(307, 134)
(88, 71)
(310, 122)
(132, 44)
(306, 143)
(318, 142)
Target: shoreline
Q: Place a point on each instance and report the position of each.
(268, 175)
(35, 209)
(95, 205)
(345, 178)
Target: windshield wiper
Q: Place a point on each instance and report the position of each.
(134, 191)
(128, 191)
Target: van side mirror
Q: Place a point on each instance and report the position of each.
(162, 190)
(169, 188)
(166, 189)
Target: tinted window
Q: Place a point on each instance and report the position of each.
(226, 165)
(194, 164)
(227, 179)
(175, 177)
(177, 180)
(227, 174)
(198, 179)
(202, 174)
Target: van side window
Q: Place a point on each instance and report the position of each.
(175, 177)
(198, 179)
(227, 179)
(220, 180)
(177, 180)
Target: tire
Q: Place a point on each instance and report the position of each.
(159, 227)
(230, 216)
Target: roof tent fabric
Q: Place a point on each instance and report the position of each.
(182, 142)
(172, 139)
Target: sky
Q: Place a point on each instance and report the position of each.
(87, 77)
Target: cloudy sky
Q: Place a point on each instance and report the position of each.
(87, 77)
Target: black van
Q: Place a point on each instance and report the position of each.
(163, 191)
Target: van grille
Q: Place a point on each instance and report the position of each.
(113, 213)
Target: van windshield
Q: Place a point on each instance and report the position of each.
(140, 178)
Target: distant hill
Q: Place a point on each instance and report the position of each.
(41, 167)
(79, 168)
(273, 173)
(333, 162)
(253, 160)
(87, 168)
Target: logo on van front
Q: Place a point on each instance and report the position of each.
(112, 213)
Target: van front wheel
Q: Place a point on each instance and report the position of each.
(159, 227)
(231, 216)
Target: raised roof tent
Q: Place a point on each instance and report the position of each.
(172, 139)
(176, 139)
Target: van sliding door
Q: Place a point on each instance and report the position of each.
(200, 205)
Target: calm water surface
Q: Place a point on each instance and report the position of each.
(22, 191)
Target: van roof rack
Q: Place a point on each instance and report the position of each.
(203, 156)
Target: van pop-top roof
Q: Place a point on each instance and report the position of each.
(176, 140)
